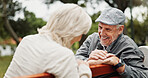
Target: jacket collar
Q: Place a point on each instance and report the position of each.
(113, 43)
(100, 47)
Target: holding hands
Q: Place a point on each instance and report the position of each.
(102, 57)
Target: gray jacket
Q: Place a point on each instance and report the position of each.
(124, 48)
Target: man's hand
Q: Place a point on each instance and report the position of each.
(111, 59)
(97, 54)
(95, 62)
(100, 56)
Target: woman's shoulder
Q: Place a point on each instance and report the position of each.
(31, 36)
(65, 50)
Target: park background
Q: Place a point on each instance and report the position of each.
(19, 18)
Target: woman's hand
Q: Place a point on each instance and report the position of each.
(82, 62)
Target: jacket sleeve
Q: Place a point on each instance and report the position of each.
(134, 68)
(83, 52)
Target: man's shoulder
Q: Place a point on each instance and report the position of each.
(94, 35)
(128, 41)
(127, 38)
(93, 38)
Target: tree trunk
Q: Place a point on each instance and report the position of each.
(10, 30)
(7, 24)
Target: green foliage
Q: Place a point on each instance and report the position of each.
(9, 12)
(145, 3)
(13, 7)
(69, 1)
(28, 25)
(64, 1)
(4, 63)
(3, 33)
(145, 24)
(75, 47)
(22, 27)
(94, 27)
(140, 30)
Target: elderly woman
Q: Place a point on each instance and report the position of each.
(49, 50)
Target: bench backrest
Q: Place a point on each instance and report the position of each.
(144, 49)
(96, 71)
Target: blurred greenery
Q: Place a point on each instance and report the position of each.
(27, 25)
(75, 47)
(4, 63)
(140, 30)
(30, 23)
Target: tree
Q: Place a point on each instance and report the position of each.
(63, 1)
(17, 28)
(145, 28)
(141, 29)
(28, 25)
(123, 4)
(7, 10)
(145, 3)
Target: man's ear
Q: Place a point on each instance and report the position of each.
(121, 28)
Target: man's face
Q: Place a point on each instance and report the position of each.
(108, 33)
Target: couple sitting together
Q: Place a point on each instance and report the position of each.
(49, 50)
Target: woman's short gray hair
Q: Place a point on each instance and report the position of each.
(67, 22)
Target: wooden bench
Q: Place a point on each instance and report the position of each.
(97, 70)
(144, 49)
(40, 75)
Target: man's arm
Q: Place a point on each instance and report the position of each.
(82, 52)
(87, 46)
(134, 66)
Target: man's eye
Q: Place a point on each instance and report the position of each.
(100, 27)
(108, 29)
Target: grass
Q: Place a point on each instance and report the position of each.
(4, 63)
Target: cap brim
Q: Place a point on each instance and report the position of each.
(105, 22)
(97, 20)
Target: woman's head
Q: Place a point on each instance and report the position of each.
(66, 23)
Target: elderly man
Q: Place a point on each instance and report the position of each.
(111, 46)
